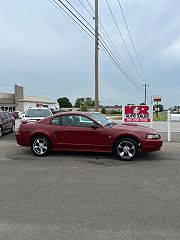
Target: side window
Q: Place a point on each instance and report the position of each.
(7, 115)
(55, 121)
(85, 122)
(72, 120)
(76, 121)
(67, 120)
(3, 115)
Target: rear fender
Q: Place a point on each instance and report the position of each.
(40, 133)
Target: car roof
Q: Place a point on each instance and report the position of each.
(73, 113)
(85, 114)
(38, 108)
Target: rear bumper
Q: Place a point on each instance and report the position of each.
(21, 140)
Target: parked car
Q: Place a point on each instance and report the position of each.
(7, 123)
(66, 131)
(21, 114)
(54, 111)
(36, 114)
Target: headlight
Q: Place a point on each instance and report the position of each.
(153, 136)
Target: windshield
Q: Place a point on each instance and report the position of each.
(99, 117)
(38, 113)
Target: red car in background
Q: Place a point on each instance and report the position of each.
(7, 123)
(79, 131)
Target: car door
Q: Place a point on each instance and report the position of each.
(4, 121)
(76, 134)
(9, 121)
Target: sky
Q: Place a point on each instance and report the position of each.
(42, 51)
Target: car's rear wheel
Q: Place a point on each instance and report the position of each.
(40, 146)
(1, 131)
(126, 149)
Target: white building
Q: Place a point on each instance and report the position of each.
(17, 101)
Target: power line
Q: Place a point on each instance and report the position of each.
(106, 36)
(62, 11)
(116, 63)
(132, 40)
(118, 98)
(116, 60)
(75, 16)
(90, 6)
(123, 39)
(86, 8)
(80, 14)
(110, 55)
(133, 45)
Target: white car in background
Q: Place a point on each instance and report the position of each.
(36, 114)
(21, 114)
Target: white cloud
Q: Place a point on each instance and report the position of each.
(173, 50)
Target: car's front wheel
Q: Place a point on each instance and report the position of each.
(40, 146)
(126, 149)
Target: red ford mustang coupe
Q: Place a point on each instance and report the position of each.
(79, 131)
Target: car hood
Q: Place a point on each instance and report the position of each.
(134, 127)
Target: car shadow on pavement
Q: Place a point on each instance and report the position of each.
(98, 159)
(105, 159)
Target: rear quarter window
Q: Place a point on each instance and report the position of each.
(55, 121)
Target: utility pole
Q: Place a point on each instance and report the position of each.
(145, 92)
(96, 57)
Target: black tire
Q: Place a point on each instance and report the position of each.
(1, 131)
(126, 149)
(40, 146)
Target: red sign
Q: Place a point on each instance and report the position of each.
(157, 98)
(136, 114)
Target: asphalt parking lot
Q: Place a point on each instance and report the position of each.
(88, 196)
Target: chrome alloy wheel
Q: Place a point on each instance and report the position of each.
(126, 150)
(40, 146)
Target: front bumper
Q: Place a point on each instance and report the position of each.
(151, 145)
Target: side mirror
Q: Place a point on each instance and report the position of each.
(94, 126)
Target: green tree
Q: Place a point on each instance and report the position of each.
(84, 107)
(90, 102)
(142, 103)
(79, 102)
(64, 102)
(103, 110)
